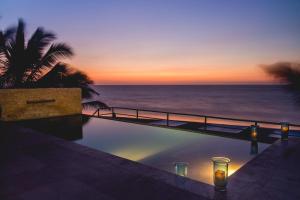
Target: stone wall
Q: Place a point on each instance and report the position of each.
(21, 104)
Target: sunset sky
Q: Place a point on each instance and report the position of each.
(168, 41)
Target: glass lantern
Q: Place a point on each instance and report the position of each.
(285, 128)
(254, 133)
(220, 172)
(181, 168)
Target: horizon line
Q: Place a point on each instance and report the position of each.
(206, 84)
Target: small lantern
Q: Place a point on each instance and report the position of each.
(253, 133)
(254, 148)
(181, 168)
(285, 128)
(220, 172)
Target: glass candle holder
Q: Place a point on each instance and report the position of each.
(285, 128)
(181, 168)
(253, 133)
(220, 172)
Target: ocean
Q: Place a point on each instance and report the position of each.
(258, 102)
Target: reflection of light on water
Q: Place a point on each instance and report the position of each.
(233, 167)
(204, 171)
(135, 154)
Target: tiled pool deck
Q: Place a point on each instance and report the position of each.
(39, 166)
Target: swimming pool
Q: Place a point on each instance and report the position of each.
(162, 147)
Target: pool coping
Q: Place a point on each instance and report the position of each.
(253, 180)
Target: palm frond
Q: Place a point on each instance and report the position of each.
(53, 78)
(79, 79)
(13, 55)
(62, 75)
(95, 105)
(20, 36)
(40, 39)
(88, 92)
(69, 77)
(36, 45)
(55, 52)
(9, 33)
(2, 52)
(6, 36)
(286, 72)
(51, 57)
(2, 41)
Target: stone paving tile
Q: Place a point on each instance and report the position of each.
(28, 180)
(272, 175)
(18, 162)
(66, 189)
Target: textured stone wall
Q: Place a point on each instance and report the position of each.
(21, 104)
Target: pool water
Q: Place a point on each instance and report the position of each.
(162, 147)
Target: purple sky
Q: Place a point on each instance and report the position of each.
(168, 41)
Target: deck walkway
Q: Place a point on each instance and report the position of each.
(39, 166)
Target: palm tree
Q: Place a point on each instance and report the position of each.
(288, 73)
(36, 63)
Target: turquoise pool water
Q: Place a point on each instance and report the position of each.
(162, 147)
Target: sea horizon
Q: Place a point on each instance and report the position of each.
(235, 101)
(204, 84)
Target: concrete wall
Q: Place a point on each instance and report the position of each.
(21, 104)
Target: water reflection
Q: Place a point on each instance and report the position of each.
(69, 128)
(159, 147)
(254, 148)
(153, 146)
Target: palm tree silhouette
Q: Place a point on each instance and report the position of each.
(35, 63)
(288, 73)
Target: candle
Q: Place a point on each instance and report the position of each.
(181, 168)
(220, 179)
(253, 132)
(220, 172)
(284, 130)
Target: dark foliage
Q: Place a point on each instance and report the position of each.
(288, 73)
(95, 104)
(35, 63)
